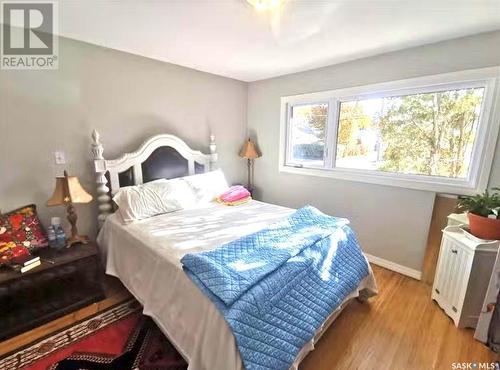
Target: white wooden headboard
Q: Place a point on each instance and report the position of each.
(134, 161)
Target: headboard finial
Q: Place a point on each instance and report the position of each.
(95, 136)
(213, 146)
(213, 152)
(103, 199)
(97, 148)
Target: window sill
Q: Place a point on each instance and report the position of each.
(416, 182)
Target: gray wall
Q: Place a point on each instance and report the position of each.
(126, 98)
(391, 222)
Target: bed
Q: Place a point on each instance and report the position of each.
(146, 254)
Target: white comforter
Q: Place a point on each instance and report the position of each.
(146, 256)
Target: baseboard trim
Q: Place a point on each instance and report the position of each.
(415, 274)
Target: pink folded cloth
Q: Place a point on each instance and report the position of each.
(234, 194)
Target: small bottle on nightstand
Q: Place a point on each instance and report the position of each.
(51, 235)
(60, 235)
(60, 238)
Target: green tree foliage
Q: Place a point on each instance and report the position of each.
(317, 117)
(430, 133)
(352, 119)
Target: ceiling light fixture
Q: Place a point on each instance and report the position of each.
(262, 5)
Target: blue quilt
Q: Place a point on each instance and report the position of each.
(277, 286)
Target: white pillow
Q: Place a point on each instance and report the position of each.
(207, 186)
(153, 198)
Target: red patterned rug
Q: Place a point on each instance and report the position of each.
(120, 338)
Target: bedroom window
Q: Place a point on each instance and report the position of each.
(434, 133)
(307, 134)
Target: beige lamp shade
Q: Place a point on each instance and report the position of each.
(249, 151)
(68, 190)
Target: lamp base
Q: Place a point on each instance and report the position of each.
(77, 239)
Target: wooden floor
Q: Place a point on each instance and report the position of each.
(401, 328)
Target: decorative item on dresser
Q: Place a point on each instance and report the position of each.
(68, 191)
(463, 271)
(64, 282)
(483, 211)
(249, 152)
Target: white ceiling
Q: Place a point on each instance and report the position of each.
(230, 38)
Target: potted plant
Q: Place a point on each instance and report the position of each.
(483, 212)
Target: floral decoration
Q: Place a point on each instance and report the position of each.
(20, 232)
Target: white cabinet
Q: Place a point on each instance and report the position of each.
(462, 275)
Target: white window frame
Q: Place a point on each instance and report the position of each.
(328, 134)
(484, 145)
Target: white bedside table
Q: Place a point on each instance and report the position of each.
(462, 275)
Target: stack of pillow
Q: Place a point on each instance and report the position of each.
(164, 196)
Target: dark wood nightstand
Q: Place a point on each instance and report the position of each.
(64, 282)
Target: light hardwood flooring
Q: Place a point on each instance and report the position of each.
(401, 328)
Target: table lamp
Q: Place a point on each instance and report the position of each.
(68, 191)
(250, 153)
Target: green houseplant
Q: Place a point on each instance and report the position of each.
(483, 212)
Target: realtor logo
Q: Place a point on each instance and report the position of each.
(28, 30)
